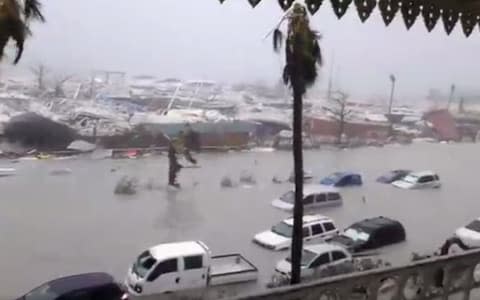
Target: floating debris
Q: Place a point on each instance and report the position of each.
(276, 180)
(152, 185)
(227, 182)
(247, 178)
(126, 186)
(59, 172)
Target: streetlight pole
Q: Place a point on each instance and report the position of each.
(392, 79)
(392, 92)
(452, 93)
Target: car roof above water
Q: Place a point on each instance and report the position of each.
(173, 250)
(68, 284)
(318, 189)
(324, 247)
(377, 222)
(309, 219)
(423, 173)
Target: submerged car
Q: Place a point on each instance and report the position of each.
(279, 237)
(393, 176)
(465, 238)
(314, 196)
(342, 179)
(307, 176)
(371, 234)
(92, 286)
(419, 180)
(316, 258)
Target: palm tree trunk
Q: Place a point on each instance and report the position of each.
(298, 86)
(297, 241)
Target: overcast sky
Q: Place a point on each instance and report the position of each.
(205, 40)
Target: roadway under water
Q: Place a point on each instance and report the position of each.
(61, 225)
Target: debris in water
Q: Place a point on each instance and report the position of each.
(276, 180)
(227, 182)
(152, 185)
(247, 178)
(126, 186)
(59, 172)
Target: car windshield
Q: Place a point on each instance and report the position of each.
(410, 179)
(283, 229)
(307, 257)
(143, 264)
(332, 179)
(356, 234)
(474, 226)
(42, 293)
(288, 197)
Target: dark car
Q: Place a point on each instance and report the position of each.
(371, 234)
(342, 179)
(393, 176)
(91, 286)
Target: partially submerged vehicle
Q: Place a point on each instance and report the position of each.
(279, 237)
(315, 259)
(371, 234)
(314, 196)
(5, 172)
(464, 238)
(393, 176)
(187, 268)
(342, 179)
(419, 180)
(82, 286)
(307, 176)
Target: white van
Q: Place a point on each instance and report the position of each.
(419, 180)
(314, 196)
(279, 237)
(315, 259)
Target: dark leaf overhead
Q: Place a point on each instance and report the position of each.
(340, 7)
(313, 5)
(431, 14)
(285, 4)
(365, 8)
(410, 12)
(450, 18)
(388, 10)
(467, 12)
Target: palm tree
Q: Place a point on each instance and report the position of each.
(302, 53)
(15, 17)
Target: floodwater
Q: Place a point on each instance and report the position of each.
(61, 225)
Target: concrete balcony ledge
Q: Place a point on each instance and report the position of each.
(439, 277)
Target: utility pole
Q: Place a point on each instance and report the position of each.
(392, 92)
(390, 104)
(330, 79)
(452, 93)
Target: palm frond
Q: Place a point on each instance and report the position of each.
(32, 10)
(286, 75)
(277, 39)
(14, 23)
(317, 53)
(19, 32)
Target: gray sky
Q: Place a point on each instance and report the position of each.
(205, 40)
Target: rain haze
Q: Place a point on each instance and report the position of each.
(205, 40)
(129, 127)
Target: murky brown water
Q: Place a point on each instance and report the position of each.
(59, 225)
